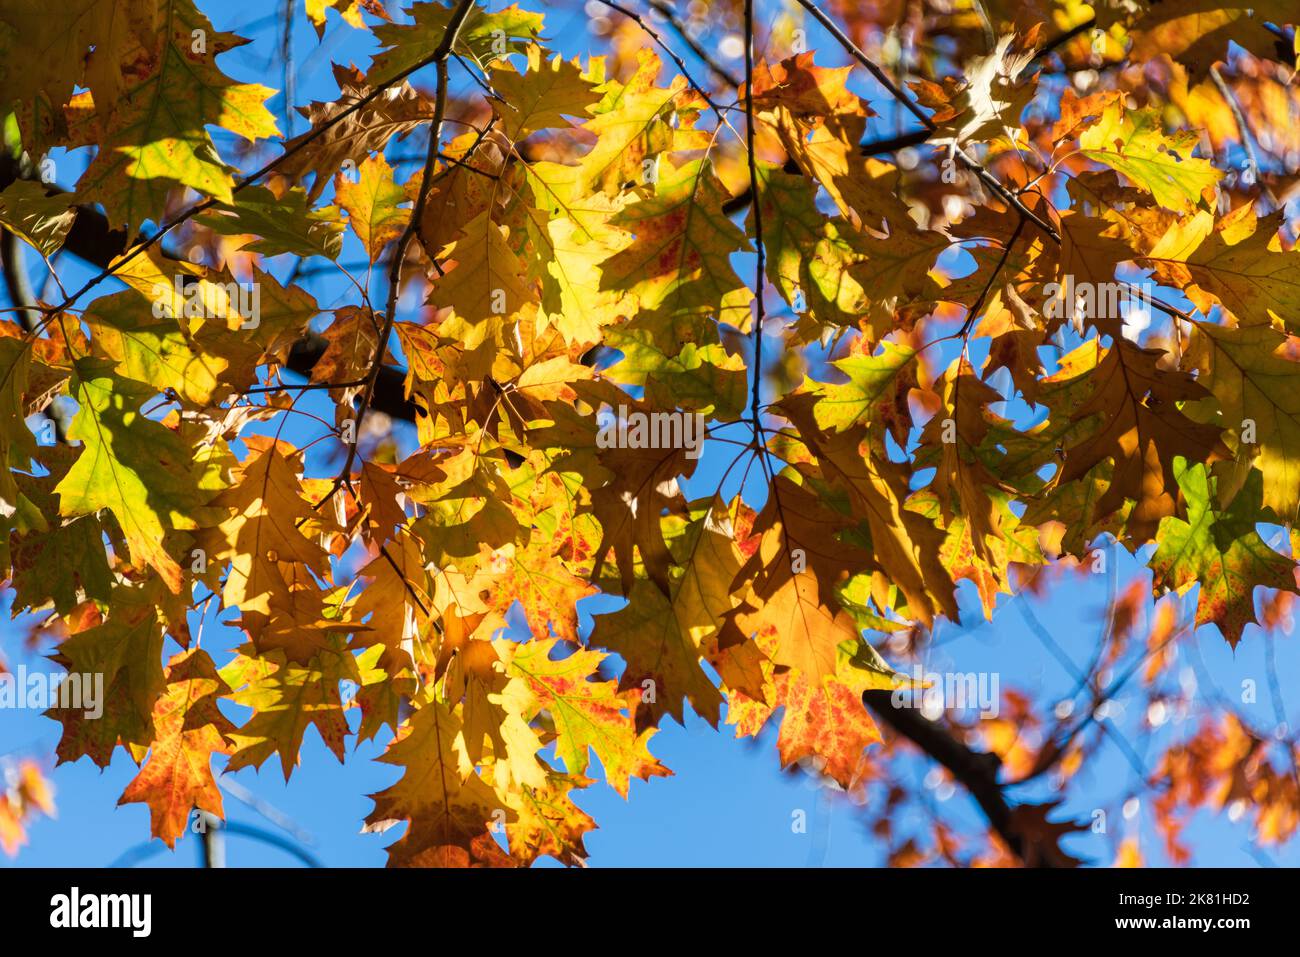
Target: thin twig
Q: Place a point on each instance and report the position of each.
(286, 54)
(439, 59)
(1002, 261)
(883, 78)
(672, 55)
(717, 69)
(756, 211)
(1243, 129)
(1008, 197)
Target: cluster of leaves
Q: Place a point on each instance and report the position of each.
(571, 247)
(26, 795)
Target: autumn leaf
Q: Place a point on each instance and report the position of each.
(261, 534)
(633, 125)
(42, 221)
(1250, 371)
(905, 545)
(349, 10)
(826, 722)
(152, 137)
(157, 351)
(286, 699)
(1240, 265)
(482, 37)
(1221, 550)
(807, 257)
(988, 104)
(628, 508)
(137, 469)
(661, 636)
(486, 287)
(373, 205)
(794, 574)
(281, 224)
(876, 387)
(588, 715)
(346, 130)
(29, 794)
(679, 260)
(549, 823)
(543, 96)
(819, 122)
(1142, 431)
(177, 777)
(1196, 33)
(449, 814)
(127, 650)
(1132, 142)
(17, 444)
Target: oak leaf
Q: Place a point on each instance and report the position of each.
(189, 729)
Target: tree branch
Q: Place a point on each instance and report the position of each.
(16, 281)
(889, 145)
(756, 211)
(672, 55)
(439, 59)
(1243, 129)
(669, 14)
(976, 771)
(1064, 38)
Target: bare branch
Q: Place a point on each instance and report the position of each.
(976, 771)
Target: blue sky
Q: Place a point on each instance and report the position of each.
(728, 802)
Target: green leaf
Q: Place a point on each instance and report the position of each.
(154, 137)
(131, 465)
(702, 378)
(127, 651)
(152, 351)
(63, 562)
(483, 36)
(870, 392)
(808, 253)
(283, 224)
(1134, 143)
(1220, 550)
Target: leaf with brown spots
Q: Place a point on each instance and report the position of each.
(189, 729)
(1221, 550)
